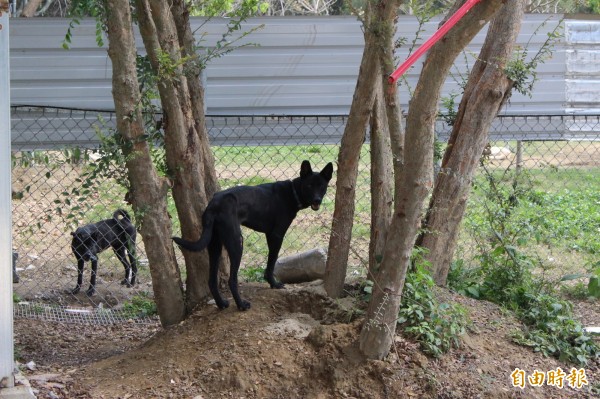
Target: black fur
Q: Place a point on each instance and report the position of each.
(89, 240)
(267, 208)
(16, 278)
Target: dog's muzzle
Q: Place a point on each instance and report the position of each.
(315, 206)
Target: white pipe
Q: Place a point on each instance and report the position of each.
(7, 379)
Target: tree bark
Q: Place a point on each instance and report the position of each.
(30, 8)
(487, 90)
(348, 159)
(148, 191)
(370, 342)
(183, 149)
(381, 180)
(193, 70)
(187, 44)
(413, 178)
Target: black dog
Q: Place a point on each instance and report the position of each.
(267, 208)
(89, 240)
(16, 278)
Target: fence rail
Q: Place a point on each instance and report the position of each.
(37, 128)
(248, 150)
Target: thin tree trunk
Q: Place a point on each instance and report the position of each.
(30, 8)
(193, 69)
(183, 150)
(348, 159)
(188, 43)
(385, 282)
(413, 178)
(372, 340)
(381, 180)
(487, 89)
(148, 191)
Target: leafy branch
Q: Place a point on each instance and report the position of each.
(523, 73)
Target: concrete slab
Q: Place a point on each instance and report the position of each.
(17, 392)
(21, 390)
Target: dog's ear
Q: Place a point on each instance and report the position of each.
(305, 169)
(327, 171)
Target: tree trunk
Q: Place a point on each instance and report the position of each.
(30, 8)
(413, 178)
(193, 69)
(381, 180)
(348, 159)
(148, 191)
(372, 341)
(487, 89)
(183, 149)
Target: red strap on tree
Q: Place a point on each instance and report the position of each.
(432, 40)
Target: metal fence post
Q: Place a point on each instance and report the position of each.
(519, 155)
(7, 379)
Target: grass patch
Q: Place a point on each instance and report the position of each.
(564, 219)
(246, 181)
(275, 156)
(140, 305)
(252, 274)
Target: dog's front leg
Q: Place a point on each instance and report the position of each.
(92, 288)
(274, 242)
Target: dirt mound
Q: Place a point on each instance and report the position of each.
(294, 343)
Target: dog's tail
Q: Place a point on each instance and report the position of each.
(208, 220)
(123, 214)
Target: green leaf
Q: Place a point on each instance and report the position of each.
(574, 276)
(557, 306)
(594, 287)
(582, 359)
(473, 291)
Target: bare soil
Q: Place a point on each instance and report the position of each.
(292, 343)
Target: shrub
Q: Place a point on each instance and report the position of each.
(505, 273)
(436, 326)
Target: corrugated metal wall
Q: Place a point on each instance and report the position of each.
(302, 66)
(582, 66)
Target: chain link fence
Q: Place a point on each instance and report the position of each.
(53, 150)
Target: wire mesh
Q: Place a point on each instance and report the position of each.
(54, 148)
(79, 315)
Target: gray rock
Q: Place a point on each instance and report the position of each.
(302, 267)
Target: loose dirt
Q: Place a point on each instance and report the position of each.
(292, 343)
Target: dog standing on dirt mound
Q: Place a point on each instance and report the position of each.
(267, 208)
(89, 240)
